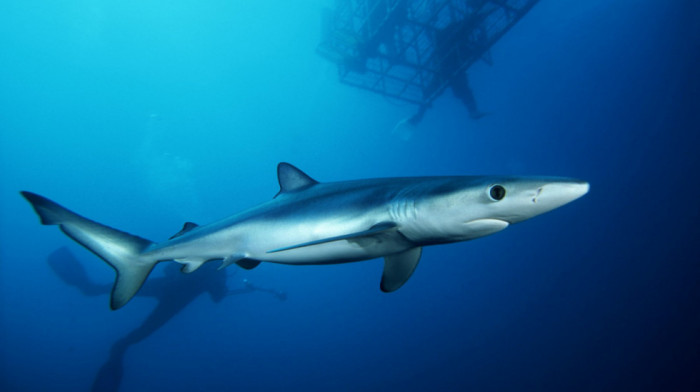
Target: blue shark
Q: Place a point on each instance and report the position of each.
(309, 222)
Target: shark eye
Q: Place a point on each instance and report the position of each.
(497, 192)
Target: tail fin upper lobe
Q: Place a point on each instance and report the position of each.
(119, 249)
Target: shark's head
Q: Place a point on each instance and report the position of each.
(471, 207)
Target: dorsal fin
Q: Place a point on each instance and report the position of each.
(185, 228)
(292, 179)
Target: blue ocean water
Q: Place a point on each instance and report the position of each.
(146, 114)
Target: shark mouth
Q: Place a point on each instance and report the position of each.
(481, 227)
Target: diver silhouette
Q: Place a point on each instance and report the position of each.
(174, 292)
(454, 44)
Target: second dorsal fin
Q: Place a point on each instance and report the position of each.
(292, 179)
(185, 228)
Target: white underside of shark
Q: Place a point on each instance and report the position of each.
(325, 223)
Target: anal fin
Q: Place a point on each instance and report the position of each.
(190, 264)
(398, 268)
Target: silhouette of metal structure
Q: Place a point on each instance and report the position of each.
(412, 50)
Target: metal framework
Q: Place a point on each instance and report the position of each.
(412, 50)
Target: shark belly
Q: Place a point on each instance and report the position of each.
(279, 235)
(341, 251)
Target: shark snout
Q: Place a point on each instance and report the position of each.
(556, 194)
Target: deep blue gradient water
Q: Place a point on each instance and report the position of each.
(146, 114)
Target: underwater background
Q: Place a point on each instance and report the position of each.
(145, 114)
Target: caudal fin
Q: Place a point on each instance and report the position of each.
(119, 249)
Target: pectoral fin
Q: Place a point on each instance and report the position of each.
(398, 268)
(376, 229)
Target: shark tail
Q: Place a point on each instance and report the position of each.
(123, 251)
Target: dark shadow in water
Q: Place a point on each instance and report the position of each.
(173, 291)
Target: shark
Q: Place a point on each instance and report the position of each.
(309, 222)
